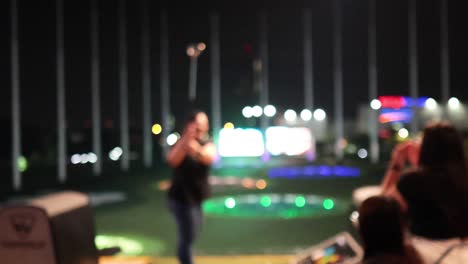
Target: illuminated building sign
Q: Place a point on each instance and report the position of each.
(397, 102)
(403, 115)
(249, 142)
(392, 101)
(399, 108)
(241, 142)
(291, 141)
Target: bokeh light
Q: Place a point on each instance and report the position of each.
(272, 205)
(191, 51)
(22, 164)
(127, 245)
(430, 104)
(265, 201)
(75, 159)
(453, 103)
(328, 204)
(261, 184)
(375, 104)
(172, 139)
(92, 158)
(403, 133)
(290, 115)
(84, 158)
(257, 111)
(269, 110)
(247, 112)
(300, 201)
(306, 115)
(230, 203)
(201, 46)
(156, 129)
(342, 143)
(164, 185)
(115, 153)
(248, 183)
(362, 153)
(319, 115)
(228, 125)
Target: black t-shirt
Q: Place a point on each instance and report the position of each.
(426, 215)
(190, 181)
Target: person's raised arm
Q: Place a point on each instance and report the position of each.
(207, 154)
(177, 154)
(204, 154)
(402, 153)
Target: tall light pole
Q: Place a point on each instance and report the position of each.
(146, 93)
(165, 80)
(372, 125)
(194, 51)
(308, 64)
(96, 101)
(215, 75)
(338, 78)
(264, 79)
(61, 126)
(413, 64)
(308, 70)
(445, 55)
(123, 88)
(15, 97)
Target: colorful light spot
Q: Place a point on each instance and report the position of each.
(328, 204)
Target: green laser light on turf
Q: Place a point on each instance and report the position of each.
(300, 201)
(230, 203)
(265, 201)
(328, 204)
(127, 245)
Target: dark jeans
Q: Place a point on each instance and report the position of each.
(189, 220)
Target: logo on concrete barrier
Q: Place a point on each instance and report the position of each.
(23, 224)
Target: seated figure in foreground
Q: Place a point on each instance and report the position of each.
(383, 230)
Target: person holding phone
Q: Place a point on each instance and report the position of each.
(434, 192)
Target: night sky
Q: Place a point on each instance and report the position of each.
(239, 46)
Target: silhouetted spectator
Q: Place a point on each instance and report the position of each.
(383, 228)
(435, 192)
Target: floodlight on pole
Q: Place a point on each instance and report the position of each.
(453, 103)
(430, 104)
(319, 115)
(194, 51)
(306, 115)
(290, 115)
(257, 111)
(247, 112)
(375, 104)
(269, 110)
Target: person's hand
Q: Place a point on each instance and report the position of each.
(190, 132)
(399, 156)
(402, 153)
(193, 148)
(405, 152)
(413, 152)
